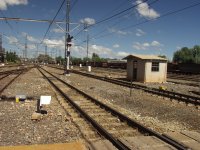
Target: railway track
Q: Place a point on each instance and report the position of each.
(165, 93)
(9, 77)
(194, 78)
(172, 78)
(109, 123)
(10, 71)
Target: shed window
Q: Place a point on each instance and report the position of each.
(155, 67)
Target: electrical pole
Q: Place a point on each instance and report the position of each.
(67, 40)
(25, 51)
(45, 55)
(1, 50)
(37, 52)
(1, 47)
(87, 45)
(60, 56)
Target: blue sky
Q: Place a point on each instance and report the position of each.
(115, 38)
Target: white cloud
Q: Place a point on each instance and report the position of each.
(139, 46)
(112, 30)
(122, 54)
(80, 51)
(31, 46)
(145, 46)
(140, 32)
(5, 3)
(155, 43)
(88, 21)
(116, 46)
(29, 37)
(52, 43)
(12, 39)
(57, 30)
(102, 51)
(145, 11)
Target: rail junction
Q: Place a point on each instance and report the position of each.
(169, 94)
(106, 127)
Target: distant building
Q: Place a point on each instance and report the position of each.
(146, 68)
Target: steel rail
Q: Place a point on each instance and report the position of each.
(98, 127)
(5, 76)
(20, 72)
(10, 82)
(124, 118)
(173, 95)
(10, 71)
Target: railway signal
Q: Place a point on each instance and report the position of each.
(68, 39)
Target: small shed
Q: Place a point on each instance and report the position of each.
(146, 68)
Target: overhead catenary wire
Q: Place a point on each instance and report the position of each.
(111, 17)
(146, 21)
(63, 20)
(52, 21)
(31, 20)
(73, 5)
(104, 30)
(11, 28)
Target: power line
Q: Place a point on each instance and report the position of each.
(29, 20)
(164, 15)
(108, 18)
(146, 21)
(10, 26)
(121, 4)
(104, 30)
(73, 4)
(52, 21)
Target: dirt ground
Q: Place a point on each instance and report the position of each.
(154, 111)
(16, 125)
(17, 128)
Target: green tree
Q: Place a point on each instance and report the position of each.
(184, 55)
(76, 61)
(60, 60)
(95, 57)
(44, 58)
(196, 53)
(11, 57)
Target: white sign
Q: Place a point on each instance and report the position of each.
(45, 100)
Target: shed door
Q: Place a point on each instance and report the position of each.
(134, 70)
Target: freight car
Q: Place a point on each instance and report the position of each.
(184, 68)
(119, 64)
(110, 64)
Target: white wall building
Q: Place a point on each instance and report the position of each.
(146, 68)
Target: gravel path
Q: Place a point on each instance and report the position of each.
(57, 126)
(16, 125)
(170, 86)
(156, 112)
